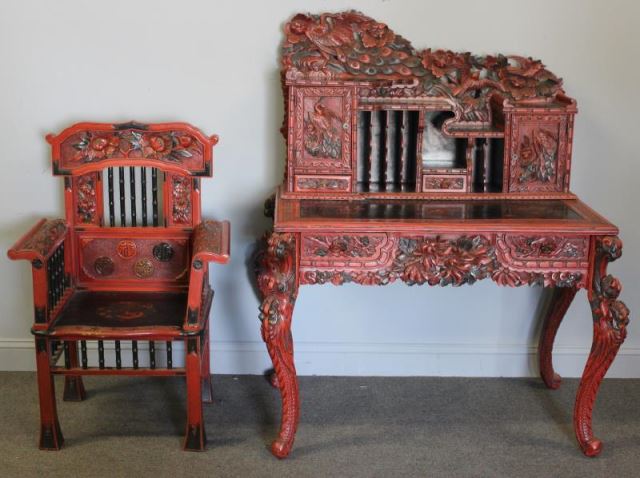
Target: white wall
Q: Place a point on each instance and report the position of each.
(215, 64)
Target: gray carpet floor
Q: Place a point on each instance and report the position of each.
(349, 426)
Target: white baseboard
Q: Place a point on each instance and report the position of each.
(370, 359)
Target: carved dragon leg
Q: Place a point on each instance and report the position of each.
(278, 285)
(610, 318)
(558, 306)
(73, 386)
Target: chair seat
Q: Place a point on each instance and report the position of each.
(101, 314)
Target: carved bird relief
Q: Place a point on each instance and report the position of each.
(358, 43)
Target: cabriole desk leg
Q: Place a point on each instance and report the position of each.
(610, 318)
(277, 281)
(558, 306)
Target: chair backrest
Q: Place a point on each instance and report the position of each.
(132, 198)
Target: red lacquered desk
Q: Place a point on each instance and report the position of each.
(562, 244)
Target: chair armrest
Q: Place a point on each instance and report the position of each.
(210, 243)
(40, 241)
(43, 245)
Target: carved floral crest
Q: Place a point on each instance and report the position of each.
(171, 146)
(350, 45)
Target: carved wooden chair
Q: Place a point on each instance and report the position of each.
(128, 263)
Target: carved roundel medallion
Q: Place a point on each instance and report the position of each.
(143, 268)
(103, 266)
(126, 249)
(163, 252)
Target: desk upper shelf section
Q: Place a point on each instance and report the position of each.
(366, 114)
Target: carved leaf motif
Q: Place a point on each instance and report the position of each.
(438, 261)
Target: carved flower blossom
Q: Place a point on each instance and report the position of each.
(296, 29)
(375, 34)
(96, 147)
(444, 62)
(506, 277)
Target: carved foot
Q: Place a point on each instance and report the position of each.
(558, 306)
(195, 439)
(278, 285)
(610, 319)
(73, 389)
(51, 438)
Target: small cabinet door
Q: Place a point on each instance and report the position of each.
(537, 153)
(322, 130)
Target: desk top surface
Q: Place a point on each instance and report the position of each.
(570, 216)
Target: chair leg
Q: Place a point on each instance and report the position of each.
(207, 389)
(73, 386)
(50, 433)
(195, 438)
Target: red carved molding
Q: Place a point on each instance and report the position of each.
(275, 269)
(314, 183)
(610, 319)
(438, 183)
(177, 145)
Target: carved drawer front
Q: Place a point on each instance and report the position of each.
(368, 250)
(322, 183)
(322, 127)
(109, 259)
(550, 254)
(448, 259)
(537, 153)
(443, 183)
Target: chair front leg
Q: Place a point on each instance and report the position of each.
(207, 389)
(73, 386)
(195, 438)
(50, 433)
